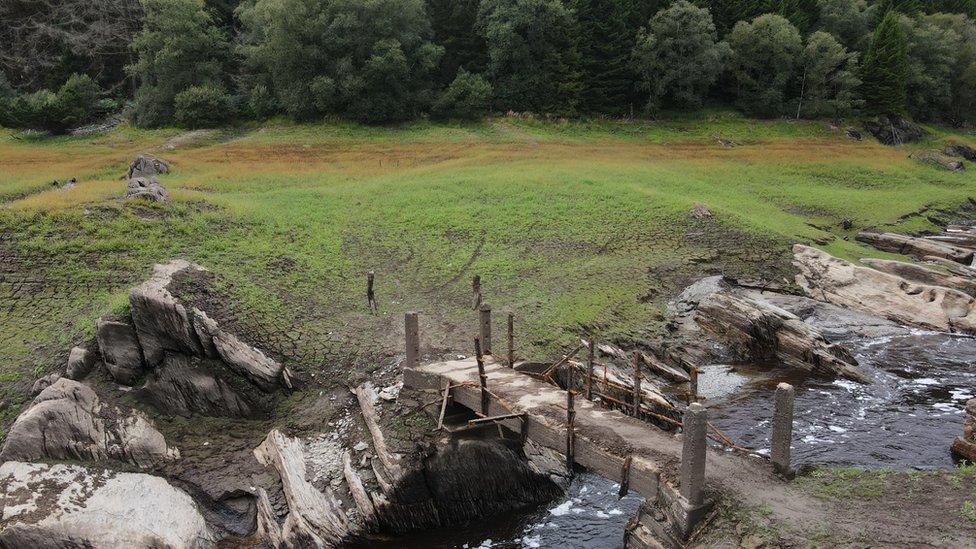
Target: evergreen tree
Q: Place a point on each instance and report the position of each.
(885, 69)
(802, 13)
(726, 13)
(453, 24)
(849, 21)
(829, 82)
(604, 50)
(965, 7)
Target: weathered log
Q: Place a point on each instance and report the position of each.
(917, 273)
(366, 395)
(827, 278)
(314, 518)
(756, 330)
(910, 245)
(363, 503)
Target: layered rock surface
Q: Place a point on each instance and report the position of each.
(827, 278)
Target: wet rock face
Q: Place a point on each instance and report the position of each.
(60, 506)
(120, 350)
(68, 421)
(185, 386)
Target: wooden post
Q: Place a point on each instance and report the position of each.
(511, 340)
(625, 477)
(483, 377)
(693, 386)
(484, 322)
(476, 291)
(370, 294)
(637, 384)
(782, 428)
(411, 332)
(570, 431)
(589, 370)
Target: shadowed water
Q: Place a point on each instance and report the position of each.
(906, 418)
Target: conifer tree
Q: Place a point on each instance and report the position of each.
(604, 49)
(885, 68)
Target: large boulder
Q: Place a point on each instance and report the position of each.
(147, 187)
(894, 130)
(938, 159)
(184, 386)
(960, 150)
(146, 165)
(827, 278)
(80, 363)
(120, 350)
(68, 421)
(67, 506)
(162, 322)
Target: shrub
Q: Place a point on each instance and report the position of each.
(75, 103)
(260, 102)
(203, 107)
(468, 96)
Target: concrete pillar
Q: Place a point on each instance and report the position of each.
(782, 428)
(484, 322)
(695, 428)
(693, 386)
(412, 331)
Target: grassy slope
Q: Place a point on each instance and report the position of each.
(573, 226)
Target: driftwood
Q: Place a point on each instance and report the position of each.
(366, 395)
(756, 330)
(910, 245)
(359, 494)
(313, 516)
(924, 275)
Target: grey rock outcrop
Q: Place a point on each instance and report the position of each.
(147, 187)
(910, 245)
(161, 321)
(67, 506)
(242, 358)
(757, 330)
(894, 130)
(938, 160)
(120, 349)
(184, 386)
(68, 421)
(960, 150)
(827, 278)
(80, 363)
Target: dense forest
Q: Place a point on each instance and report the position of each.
(197, 63)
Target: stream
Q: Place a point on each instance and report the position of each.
(906, 418)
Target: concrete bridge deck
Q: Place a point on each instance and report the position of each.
(605, 438)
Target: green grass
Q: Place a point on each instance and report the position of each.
(574, 226)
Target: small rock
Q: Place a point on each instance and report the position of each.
(147, 187)
(360, 446)
(390, 393)
(80, 363)
(44, 383)
(700, 211)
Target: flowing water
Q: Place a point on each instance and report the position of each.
(906, 418)
(589, 516)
